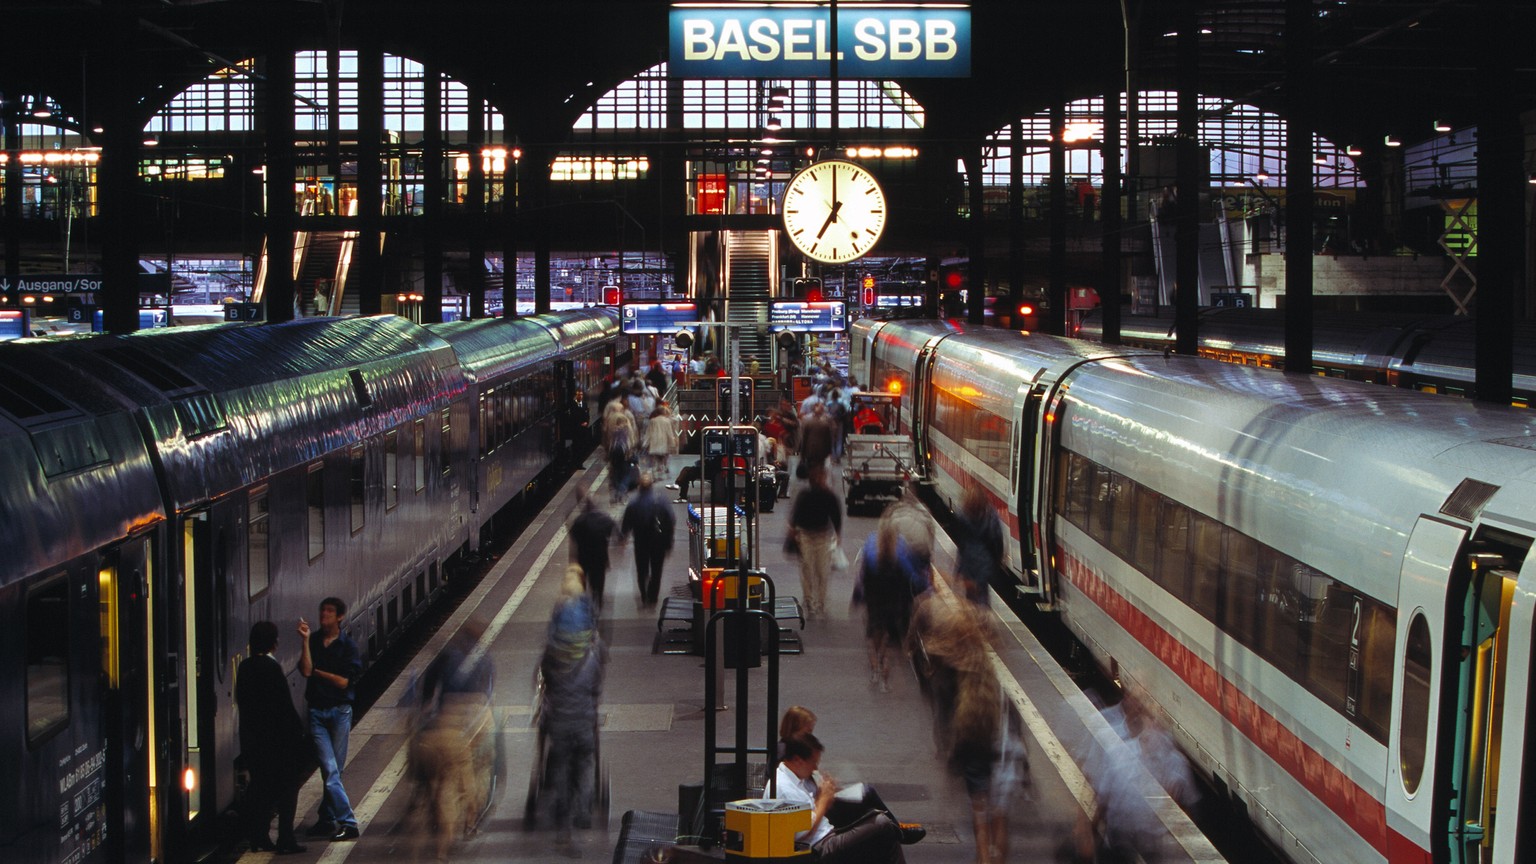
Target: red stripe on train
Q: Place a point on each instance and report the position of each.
(1364, 814)
(953, 468)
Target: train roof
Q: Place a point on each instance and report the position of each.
(74, 471)
(227, 405)
(491, 347)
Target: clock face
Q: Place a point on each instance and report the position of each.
(834, 211)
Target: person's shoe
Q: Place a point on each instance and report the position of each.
(262, 845)
(671, 486)
(679, 500)
(911, 832)
(321, 829)
(289, 848)
(346, 832)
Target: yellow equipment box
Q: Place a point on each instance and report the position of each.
(765, 828)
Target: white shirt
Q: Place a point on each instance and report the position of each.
(792, 788)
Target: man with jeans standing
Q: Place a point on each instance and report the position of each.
(331, 662)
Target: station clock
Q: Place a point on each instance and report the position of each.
(834, 211)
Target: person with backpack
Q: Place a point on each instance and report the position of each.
(649, 518)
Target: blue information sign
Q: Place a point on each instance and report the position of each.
(806, 317)
(657, 317)
(749, 41)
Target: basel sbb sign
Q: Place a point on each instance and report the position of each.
(758, 42)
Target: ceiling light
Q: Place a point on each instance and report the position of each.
(1320, 159)
(1351, 150)
(40, 109)
(151, 140)
(1442, 126)
(1392, 142)
(774, 124)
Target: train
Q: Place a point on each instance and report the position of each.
(1321, 587)
(1430, 353)
(163, 490)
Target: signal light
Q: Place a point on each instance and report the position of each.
(1026, 310)
(611, 295)
(867, 296)
(954, 280)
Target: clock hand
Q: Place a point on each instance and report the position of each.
(831, 217)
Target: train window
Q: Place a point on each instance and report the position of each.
(445, 445)
(487, 424)
(1079, 476)
(1413, 707)
(258, 539)
(1115, 509)
(420, 452)
(314, 498)
(1205, 564)
(1240, 590)
(1327, 644)
(1372, 653)
(391, 470)
(358, 486)
(1173, 547)
(1279, 610)
(47, 623)
(1143, 538)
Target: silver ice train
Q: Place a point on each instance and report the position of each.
(1322, 586)
(1432, 353)
(159, 492)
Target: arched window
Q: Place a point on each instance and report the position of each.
(226, 100)
(1244, 143)
(642, 102)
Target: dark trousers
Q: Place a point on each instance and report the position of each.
(873, 839)
(273, 787)
(597, 577)
(649, 558)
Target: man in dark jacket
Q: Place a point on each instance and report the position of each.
(591, 531)
(272, 742)
(649, 518)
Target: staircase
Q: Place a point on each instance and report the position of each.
(751, 269)
(318, 254)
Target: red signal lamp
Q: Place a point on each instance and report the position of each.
(954, 280)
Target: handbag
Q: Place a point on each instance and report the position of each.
(791, 544)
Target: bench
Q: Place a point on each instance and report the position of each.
(675, 624)
(642, 831)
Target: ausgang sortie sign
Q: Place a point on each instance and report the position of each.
(796, 42)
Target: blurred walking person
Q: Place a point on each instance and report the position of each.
(572, 674)
(816, 520)
(649, 519)
(884, 588)
(978, 545)
(591, 531)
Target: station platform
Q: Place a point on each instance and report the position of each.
(653, 714)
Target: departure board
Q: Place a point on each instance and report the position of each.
(657, 317)
(803, 316)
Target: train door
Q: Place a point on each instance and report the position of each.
(922, 405)
(124, 580)
(1028, 451)
(191, 624)
(1479, 607)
